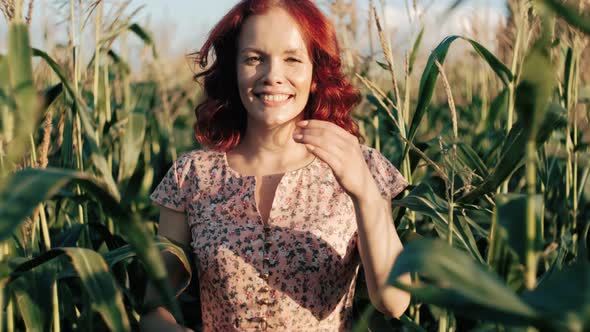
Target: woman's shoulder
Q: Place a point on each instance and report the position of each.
(195, 163)
(201, 156)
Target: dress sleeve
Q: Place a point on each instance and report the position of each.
(172, 192)
(389, 180)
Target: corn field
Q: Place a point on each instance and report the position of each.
(494, 225)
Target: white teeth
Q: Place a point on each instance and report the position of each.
(274, 98)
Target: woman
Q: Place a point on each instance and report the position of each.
(284, 203)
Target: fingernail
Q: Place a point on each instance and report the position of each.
(303, 123)
(297, 136)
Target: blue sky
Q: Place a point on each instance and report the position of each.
(190, 20)
(209, 11)
(180, 26)
(187, 10)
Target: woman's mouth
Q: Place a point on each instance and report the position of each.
(273, 100)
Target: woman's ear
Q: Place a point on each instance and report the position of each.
(313, 87)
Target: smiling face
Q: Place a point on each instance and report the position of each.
(274, 69)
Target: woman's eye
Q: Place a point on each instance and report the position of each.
(293, 60)
(252, 60)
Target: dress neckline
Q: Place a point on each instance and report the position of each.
(239, 175)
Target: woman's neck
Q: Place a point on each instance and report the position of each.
(270, 148)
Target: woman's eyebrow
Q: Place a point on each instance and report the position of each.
(250, 49)
(293, 51)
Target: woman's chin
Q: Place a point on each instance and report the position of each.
(270, 121)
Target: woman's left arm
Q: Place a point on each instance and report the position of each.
(379, 244)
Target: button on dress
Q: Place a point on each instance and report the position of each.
(298, 271)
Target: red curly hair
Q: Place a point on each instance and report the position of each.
(221, 117)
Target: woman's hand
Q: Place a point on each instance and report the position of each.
(340, 150)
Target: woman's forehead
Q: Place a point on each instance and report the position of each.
(274, 31)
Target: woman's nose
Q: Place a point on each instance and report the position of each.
(273, 73)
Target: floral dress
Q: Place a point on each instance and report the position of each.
(295, 273)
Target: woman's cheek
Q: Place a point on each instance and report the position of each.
(305, 77)
(245, 81)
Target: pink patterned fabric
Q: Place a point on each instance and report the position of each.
(297, 273)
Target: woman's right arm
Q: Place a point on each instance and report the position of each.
(173, 225)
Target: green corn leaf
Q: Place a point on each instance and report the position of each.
(27, 112)
(534, 91)
(4, 73)
(123, 66)
(97, 157)
(499, 106)
(477, 217)
(112, 241)
(136, 29)
(411, 325)
(454, 6)
(510, 214)
(67, 150)
(33, 186)
(512, 154)
(471, 159)
(117, 60)
(455, 281)
(6, 100)
(383, 65)
(134, 185)
(430, 75)
(415, 49)
(25, 190)
(570, 15)
(145, 36)
(149, 255)
(56, 69)
(68, 237)
(112, 258)
(51, 93)
(363, 323)
(463, 227)
(422, 199)
(132, 144)
(564, 297)
(164, 245)
(21, 69)
(503, 260)
(32, 293)
(567, 72)
(106, 297)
